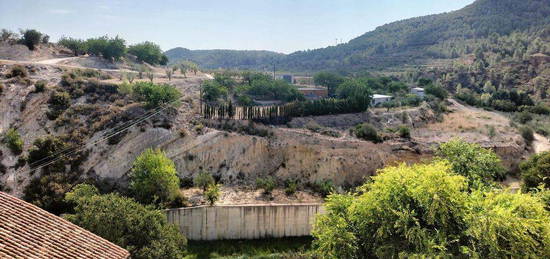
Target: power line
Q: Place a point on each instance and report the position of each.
(85, 146)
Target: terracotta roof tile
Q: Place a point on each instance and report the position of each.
(27, 231)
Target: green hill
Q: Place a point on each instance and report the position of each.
(214, 59)
(407, 42)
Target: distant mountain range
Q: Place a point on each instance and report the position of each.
(407, 42)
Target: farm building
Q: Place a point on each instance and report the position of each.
(380, 98)
(313, 92)
(418, 91)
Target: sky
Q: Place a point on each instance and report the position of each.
(277, 25)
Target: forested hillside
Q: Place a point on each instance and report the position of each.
(213, 59)
(408, 42)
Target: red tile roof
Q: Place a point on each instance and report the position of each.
(27, 231)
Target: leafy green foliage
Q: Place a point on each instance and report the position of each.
(323, 187)
(291, 186)
(367, 132)
(214, 59)
(212, 193)
(502, 224)
(527, 134)
(148, 52)
(480, 166)
(31, 38)
(59, 102)
(143, 231)
(40, 86)
(154, 179)
(203, 179)
(18, 71)
(77, 46)
(13, 141)
(212, 91)
(155, 95)
(266, 183)
(328, 80)
(536, 172)
(437, 91)
(404, 132)
(425, 210)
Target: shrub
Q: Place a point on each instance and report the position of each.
(76, 45)
(437, 91)
(154, 95)
(13, 141)
(425, 211)
(59, 102)
(527, 134)
(502, 224)
(291, 186)
(203, 179)
(212, 91)
(323, 187)
(212, 193)
(404, 132)
(480, 166)
(40, 86)
(367, 132)
(18, 71)
(143, 231)
(154, 179)
(523, 117)
(31, 38)
(536, 172)
(48, 192)
(267, 184)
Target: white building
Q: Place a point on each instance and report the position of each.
(418, 91)
(380, 98)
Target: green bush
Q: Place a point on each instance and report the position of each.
(523, 117)
(155, 95)
(18, 71)
(527, 134)
(267, 184)
(154, 179)
(291, 186)
(40, 86)
(59, 102)
(480, 166)
(536, 172)
(367, 132)
(143, 231)
(425, 211)
(437, 91)
(212, 91)
(31, 38)
(212, 193)
(404, 132)
(323, 187)
(13, 141)
(203, 179)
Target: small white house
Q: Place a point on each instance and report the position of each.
(418, 91)
(380, 98)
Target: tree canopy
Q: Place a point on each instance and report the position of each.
(143, 231)
(154, 179)
(148, 52)
(425, 210)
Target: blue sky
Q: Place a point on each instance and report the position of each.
(278, 25)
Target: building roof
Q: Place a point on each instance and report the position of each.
(27, 231)
(418, 88)
(379, 96)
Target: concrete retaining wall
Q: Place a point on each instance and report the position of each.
(245, 221)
